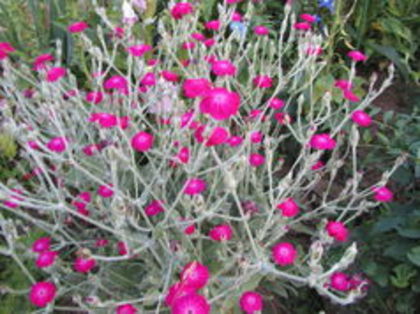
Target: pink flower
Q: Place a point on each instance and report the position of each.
(308, 17)
(361, 118)
(188, 45)
(184, 155)
(142, 141)
(170, 76)
(318, 165)
(196, 87)
(284, 253)
(212, 25)
(152, 62)
(220, 103)
(101, 242)
(33, 144)
(191, 304)
(276, 103)
(105, 191)
(84, 265)
(337, 230)
(349, 95)
(41, 244)
(195, 275)
(57, 144)
(46, 259)
(149, 79)
(288, 207)
(42, 293)
(198, 36)
(177, 290)
(218, 135)
(77, 27)
(107, 120)
(343, 84)
(256, 137)
(94, 97)
(261, 30)
(235, 141)
(210, 42)
(256, 160)
(251, 302)
(122, 248)
(180, 9)
(124, 122)
(5, 49)
(263, 81)
(194, 186)
(221, 233)
(314, 50)
(322, 141)
(236, 17)
(154, 208)
(302, 26)
(54, 74)
(189, 229)
(356, 56)
(282, 117)
(383, 194)
(339, 281)
(117, 82)
(233, 1)
(39, 62)
(126, 309)
(223, 68)
(139, 50)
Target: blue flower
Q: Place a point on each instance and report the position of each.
(239, 28)
(329, 4)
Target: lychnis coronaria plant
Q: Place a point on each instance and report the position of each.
(183, 175)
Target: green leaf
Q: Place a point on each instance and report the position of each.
(414, 255)
(409, 233)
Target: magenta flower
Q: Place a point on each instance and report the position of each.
(235, 141)
(105, 191)
(116, 82)
(77, 27)
(223, 68)
(54, 74)
(191, 303)
(196, 87)
(194, 186)
(39, 62)
(256, 160)
(139, 50)
(212, 25)
(302, 26)
(343, 84)
(349, 95)
(288, 207)
(184, 155)
(218, 136)
(308, 17)
(383, 194)
(198, 36)
(261, 30)
(220, 103)
(94, 97)
(195, 275)
(356, 56)
(84, 265)
(42, 293)
(5, 49)
(46, 259)
(142, 141)
(337, 230)
(177, 290)
(236, 17)
(126, 309)
(340, 281)
(57, 144)
(318, 165)
(251, 302)
(154, 208)
(41, 244)
(256, 137)
(276, 103)
(361, 118)
(170, 76)
(284, 253)
(180, 9)
(322, 141)
(263, 81)
(221, 233)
